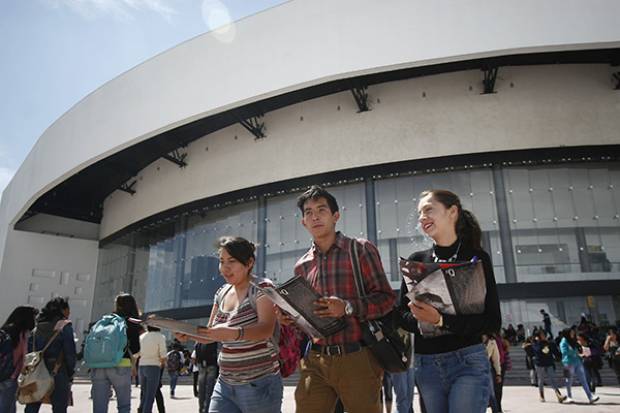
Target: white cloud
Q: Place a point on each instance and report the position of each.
(123, 10)
(6, 174)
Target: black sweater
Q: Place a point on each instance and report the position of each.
(467, 329)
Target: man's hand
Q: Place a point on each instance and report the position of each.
(498, 379)
(424, 312)
(330, 307)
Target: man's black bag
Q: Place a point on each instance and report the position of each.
(380, 335)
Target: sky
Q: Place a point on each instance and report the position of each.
(55, 52)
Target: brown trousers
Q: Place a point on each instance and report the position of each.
(355, 378)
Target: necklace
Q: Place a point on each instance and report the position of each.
(452, 258)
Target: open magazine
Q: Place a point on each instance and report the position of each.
(452, 288)
(296, 297)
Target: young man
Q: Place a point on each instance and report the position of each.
(340, 366)
(547, 323)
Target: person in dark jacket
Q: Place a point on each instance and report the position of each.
(15, 333)
(545, 354)
(60, 355)
(451, 369)
(206, 360)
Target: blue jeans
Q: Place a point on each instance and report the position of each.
(59, 397)
(577, 370)
(149, 384)
(263, 395)
(8, 390)
(174, 377)
(117, 377)
(457, 381)
(207, 376)
(549, 372)
(403, 387)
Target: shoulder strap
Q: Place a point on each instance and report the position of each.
(221, 293)
(48, 341)
(357, 272)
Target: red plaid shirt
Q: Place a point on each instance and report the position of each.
(331, 274)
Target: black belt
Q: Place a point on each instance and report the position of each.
(337, 349)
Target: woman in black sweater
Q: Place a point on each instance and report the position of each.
(452, 369)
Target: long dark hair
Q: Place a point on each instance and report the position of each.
(20, 320)
(466, 227)
(125, 305)
(53, 310)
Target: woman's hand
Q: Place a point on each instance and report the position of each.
(424, 312)
(219, 333)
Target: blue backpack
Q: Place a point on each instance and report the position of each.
(106, 343)
(6, 356)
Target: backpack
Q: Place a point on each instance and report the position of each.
(173, 363)
(106, 343)
(6, 356)
(287, 338)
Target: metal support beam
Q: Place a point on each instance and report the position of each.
(371, 211)
(360, 94)
(255, 125)
(616, 76)
(128, 188)
(261, 229)
(490, 75)
(176, 157)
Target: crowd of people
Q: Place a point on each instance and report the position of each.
(237, 365)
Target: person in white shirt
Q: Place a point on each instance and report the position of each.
(152, 359)
(496, 369)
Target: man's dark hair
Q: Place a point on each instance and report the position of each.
(315, 192)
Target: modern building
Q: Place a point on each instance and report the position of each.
(513, 105)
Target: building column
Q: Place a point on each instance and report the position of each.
(503, 221)
(371, 209)
(261, 234)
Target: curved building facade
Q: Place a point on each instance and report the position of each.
(518, 114)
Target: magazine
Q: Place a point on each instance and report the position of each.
(452, 288)
(296, 297)
(173, 325)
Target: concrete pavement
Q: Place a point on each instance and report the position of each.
(521, 399)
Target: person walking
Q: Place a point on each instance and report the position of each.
(547, 323)
(14, 336)
(174, 362)
(60, 356)
(452, 369)
(118, 376)
(573, 365)
(495, 375)
(208, 370)
(544, 354)
(152, 359)
(612, 348)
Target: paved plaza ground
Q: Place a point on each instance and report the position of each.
(516, 399)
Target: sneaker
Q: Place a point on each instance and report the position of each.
(542, 399)
(569, 400)
(562, 399)
(594, 399)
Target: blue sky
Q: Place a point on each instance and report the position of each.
(55, 52)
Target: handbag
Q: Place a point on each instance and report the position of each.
(35, 381)
(380, 335)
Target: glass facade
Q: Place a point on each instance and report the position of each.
(540, 223)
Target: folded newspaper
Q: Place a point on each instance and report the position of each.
(296, 297)
(452, 288)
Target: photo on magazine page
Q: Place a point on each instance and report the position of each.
(452, 288)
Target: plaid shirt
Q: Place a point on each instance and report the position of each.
(331, 274)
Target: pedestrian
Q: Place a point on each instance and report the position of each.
(573, 365)
(547, 323)
(450, 366)
(174, 363)
(529, 360)
(612, 348)
(585, 352)
(14, 336)
(152, 359)
(545, 353)
(208, 370)
(119, 375)
(53, 324)
(339, 366)
(243, 321)
(404, 382)
(503, 347)
(495, 375)
(520, 333)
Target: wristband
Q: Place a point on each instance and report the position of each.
(439, 322)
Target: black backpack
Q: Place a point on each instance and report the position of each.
(6, 356)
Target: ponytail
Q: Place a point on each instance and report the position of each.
(468, 229)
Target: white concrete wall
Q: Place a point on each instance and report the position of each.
(297, 44)
(37, 267)
(546, 106)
